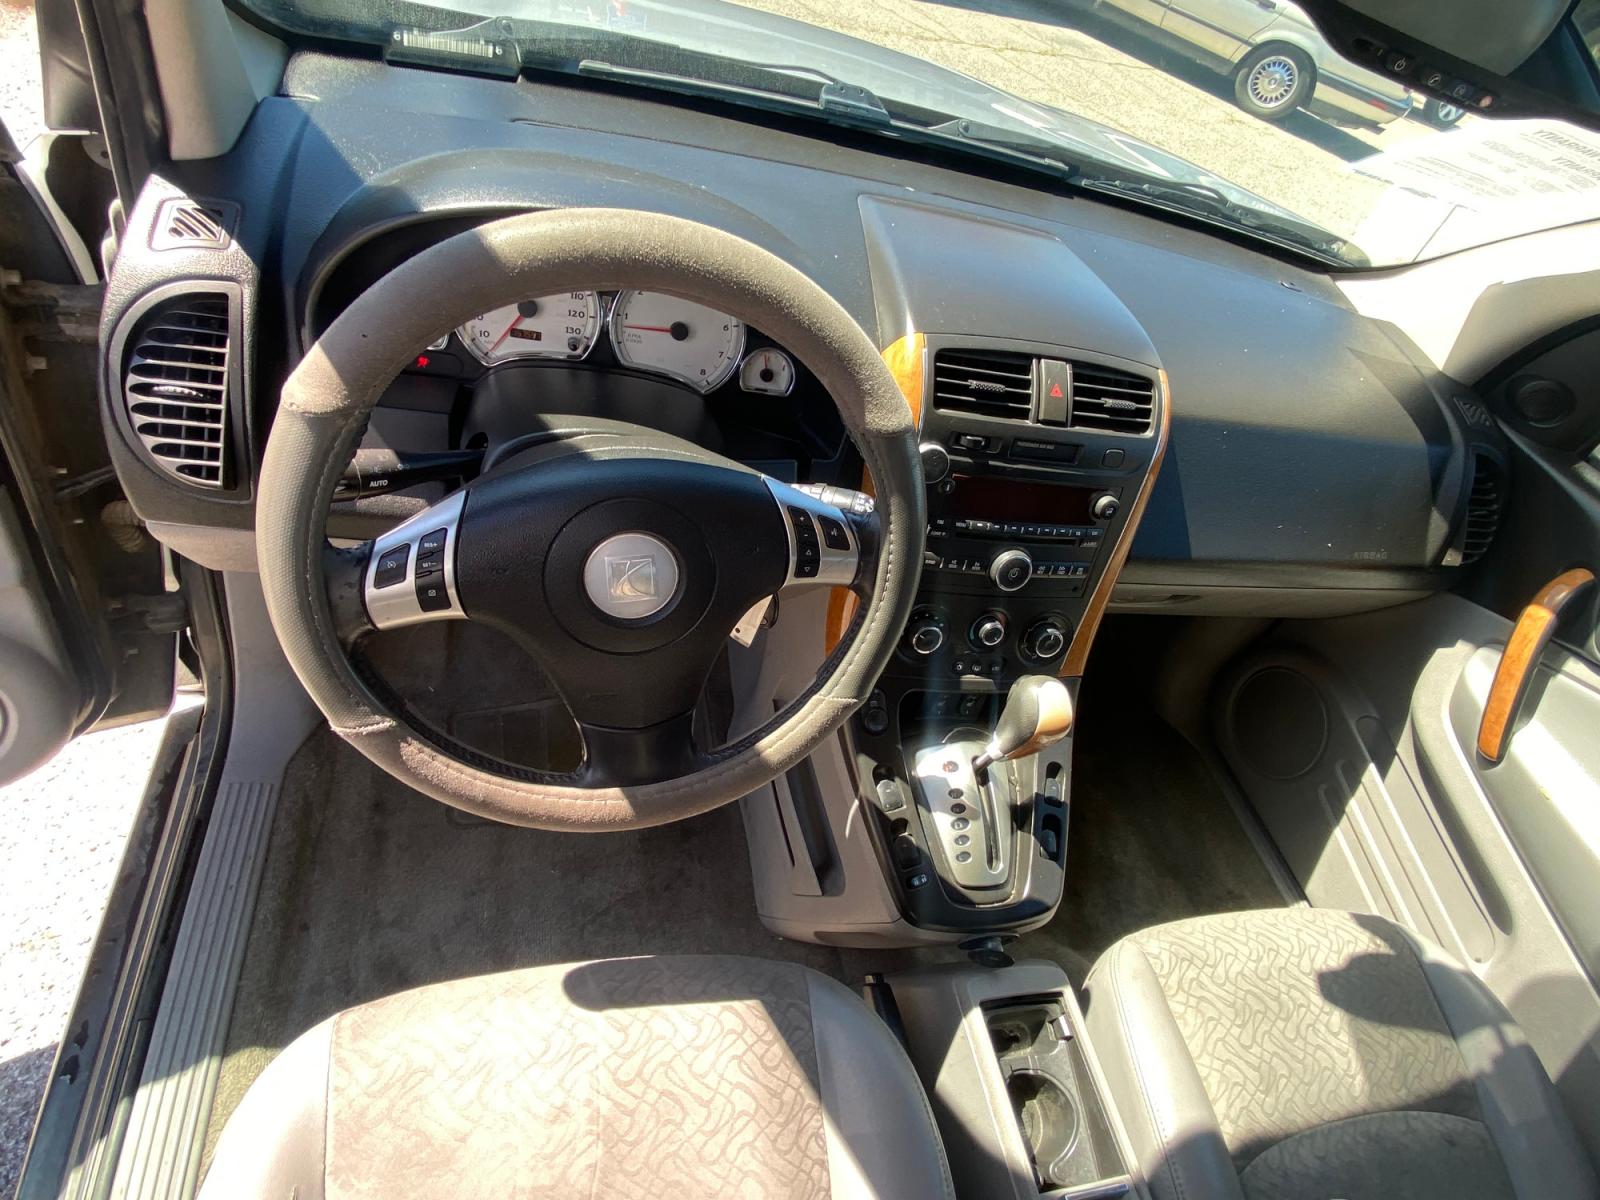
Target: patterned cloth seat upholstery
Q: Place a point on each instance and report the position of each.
(646, 1077)
(1315, 1055)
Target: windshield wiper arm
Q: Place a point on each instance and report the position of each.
(1204, 200)
(764, 86)
(1035, 146)
(833, 98)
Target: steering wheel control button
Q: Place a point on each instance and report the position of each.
(1011, 570)
(807, 554)
(631, 576)
(391, 568)
(832, 557)
(833, 534)
(431, 593)
(419, 551)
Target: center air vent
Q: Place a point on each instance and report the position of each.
(175, 387)
(1483, 509)
(1110, 400)
(990, 383)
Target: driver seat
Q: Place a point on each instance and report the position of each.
(649, 1077)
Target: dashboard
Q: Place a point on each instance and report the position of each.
(1316, 461)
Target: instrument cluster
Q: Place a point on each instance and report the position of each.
(647, 331)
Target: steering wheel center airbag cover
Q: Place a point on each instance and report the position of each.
(325, 407)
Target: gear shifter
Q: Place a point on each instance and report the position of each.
(967, 809)
(1038, 713)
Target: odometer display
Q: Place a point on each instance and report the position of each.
(560, 326)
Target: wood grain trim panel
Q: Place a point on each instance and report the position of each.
(904, 358)
(1524, 648)
(1077, 659)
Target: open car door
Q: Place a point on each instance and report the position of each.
(88, 624)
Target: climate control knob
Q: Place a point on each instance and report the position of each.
(1011, 569)
(988, 631)
(1044, 640)
(925, 636)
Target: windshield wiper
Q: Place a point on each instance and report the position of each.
(1200, 199)
(1034, 145)
(833, 98)
(770, 86)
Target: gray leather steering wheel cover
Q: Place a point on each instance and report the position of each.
(326, 403)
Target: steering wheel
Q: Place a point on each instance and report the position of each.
(619, 559)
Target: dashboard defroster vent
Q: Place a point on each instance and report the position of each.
(1112, 401)
(175, 387)
(989, 383)
(1483, 509)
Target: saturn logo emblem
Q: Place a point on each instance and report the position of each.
(631, 576)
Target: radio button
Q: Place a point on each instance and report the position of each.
(1011, 570)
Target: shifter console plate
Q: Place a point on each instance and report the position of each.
(972, 824)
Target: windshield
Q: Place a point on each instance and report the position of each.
(1233, 112)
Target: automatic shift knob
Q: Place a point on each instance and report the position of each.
(1038, 713)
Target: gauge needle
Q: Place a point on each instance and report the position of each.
(650, 328)
(515, 321)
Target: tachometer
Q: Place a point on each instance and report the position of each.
(559, 326)
(657, 332)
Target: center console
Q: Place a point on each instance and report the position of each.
(1021, 1104)
(1036, 461)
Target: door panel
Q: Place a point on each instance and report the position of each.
(87, 623)
(1354, 739)
(1547, 789)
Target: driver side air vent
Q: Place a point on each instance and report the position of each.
(1113, 401)
(989, 383)
(175, 387)
(1483, 509)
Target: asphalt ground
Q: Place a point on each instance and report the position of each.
(1060, 54)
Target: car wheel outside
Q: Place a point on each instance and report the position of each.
(1272, 82)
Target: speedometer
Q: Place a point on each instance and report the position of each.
(560, 326)
(657, 332)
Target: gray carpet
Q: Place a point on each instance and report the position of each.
(1151, 838)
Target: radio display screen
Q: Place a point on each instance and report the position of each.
(993, 499)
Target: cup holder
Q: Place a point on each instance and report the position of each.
(1048, 1118)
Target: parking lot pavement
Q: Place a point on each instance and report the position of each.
(1052, 53)
(62, 831)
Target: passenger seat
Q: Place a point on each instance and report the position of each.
(1314, 1054)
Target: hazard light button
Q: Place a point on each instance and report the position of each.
(1055, 391)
